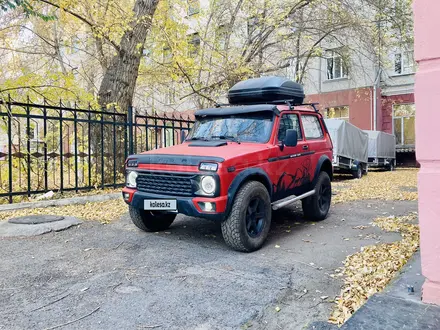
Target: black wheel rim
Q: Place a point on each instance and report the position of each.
(324, 197)
(255, 217)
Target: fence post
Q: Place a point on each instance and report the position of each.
(10, 147)
(130, 130)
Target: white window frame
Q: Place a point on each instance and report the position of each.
(402, 121)
(170, 95)
(338, 106)
(405, 68)
(343, 71)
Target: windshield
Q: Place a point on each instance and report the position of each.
(246, 127)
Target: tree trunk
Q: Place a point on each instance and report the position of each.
(117, 89)
(119, 81)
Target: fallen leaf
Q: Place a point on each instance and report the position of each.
(368, 272)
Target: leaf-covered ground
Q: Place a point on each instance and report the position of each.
(398, 185)
(370, 270)
(99, 211)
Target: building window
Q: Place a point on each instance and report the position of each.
(193, 7)
(404, 124)
(221, 35)
(170, 95)
(194, 44)
(337, 113)
(404, 62)
(167, 55)
(336, 68)
(252, 26)
(32, 132)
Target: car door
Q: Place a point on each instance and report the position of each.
(291, 167)
(315, 142)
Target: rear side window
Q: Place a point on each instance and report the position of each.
(289, 121)
(312, 127)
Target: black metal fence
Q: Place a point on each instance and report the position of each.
(61, 147)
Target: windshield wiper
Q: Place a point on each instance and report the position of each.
(226, 137)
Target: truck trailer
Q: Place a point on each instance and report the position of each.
(381, 150)
(350, 147)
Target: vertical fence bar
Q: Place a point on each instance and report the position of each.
(75, 138)
(28, 147)
(155, 129)
(89, 142)
(147, 146)
(114, 150)
(102, 149)
(172, 124)
(61, 150)
(180, 131)
(164, 133)
(10, 147)
(135, 147)
(130, 130)
(46, 184)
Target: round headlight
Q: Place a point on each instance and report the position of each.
(131, 179)
(208, 185)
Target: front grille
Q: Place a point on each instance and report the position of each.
(165, 183)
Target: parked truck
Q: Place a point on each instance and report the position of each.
(350, 147)
(381, 150)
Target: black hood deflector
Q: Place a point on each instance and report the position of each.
(207, 143)
(184, 160)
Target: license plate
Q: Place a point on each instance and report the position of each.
(160, 204)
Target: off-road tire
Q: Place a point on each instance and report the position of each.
(357, 174)
(311, 205)
(234, 229)
(149, 221)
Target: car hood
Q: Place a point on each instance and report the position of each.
(225, 152)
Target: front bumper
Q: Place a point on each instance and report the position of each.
(185, 205)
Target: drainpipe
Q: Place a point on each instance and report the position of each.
(376, 83)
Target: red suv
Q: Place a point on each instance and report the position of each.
(263, 151)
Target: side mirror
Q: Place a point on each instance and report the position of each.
(291, 139)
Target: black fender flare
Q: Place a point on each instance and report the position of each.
(325, 163)
(254, 172)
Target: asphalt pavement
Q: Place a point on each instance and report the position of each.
(95, 276)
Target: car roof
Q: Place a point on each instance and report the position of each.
(255, 108)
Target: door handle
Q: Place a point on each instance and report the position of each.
(305, 147)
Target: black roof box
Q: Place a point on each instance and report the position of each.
(266, 90)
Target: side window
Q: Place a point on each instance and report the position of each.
(289, 122)
(312, 127)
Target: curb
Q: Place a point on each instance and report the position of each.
(60, 202)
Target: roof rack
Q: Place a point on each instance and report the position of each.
(287, 102)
